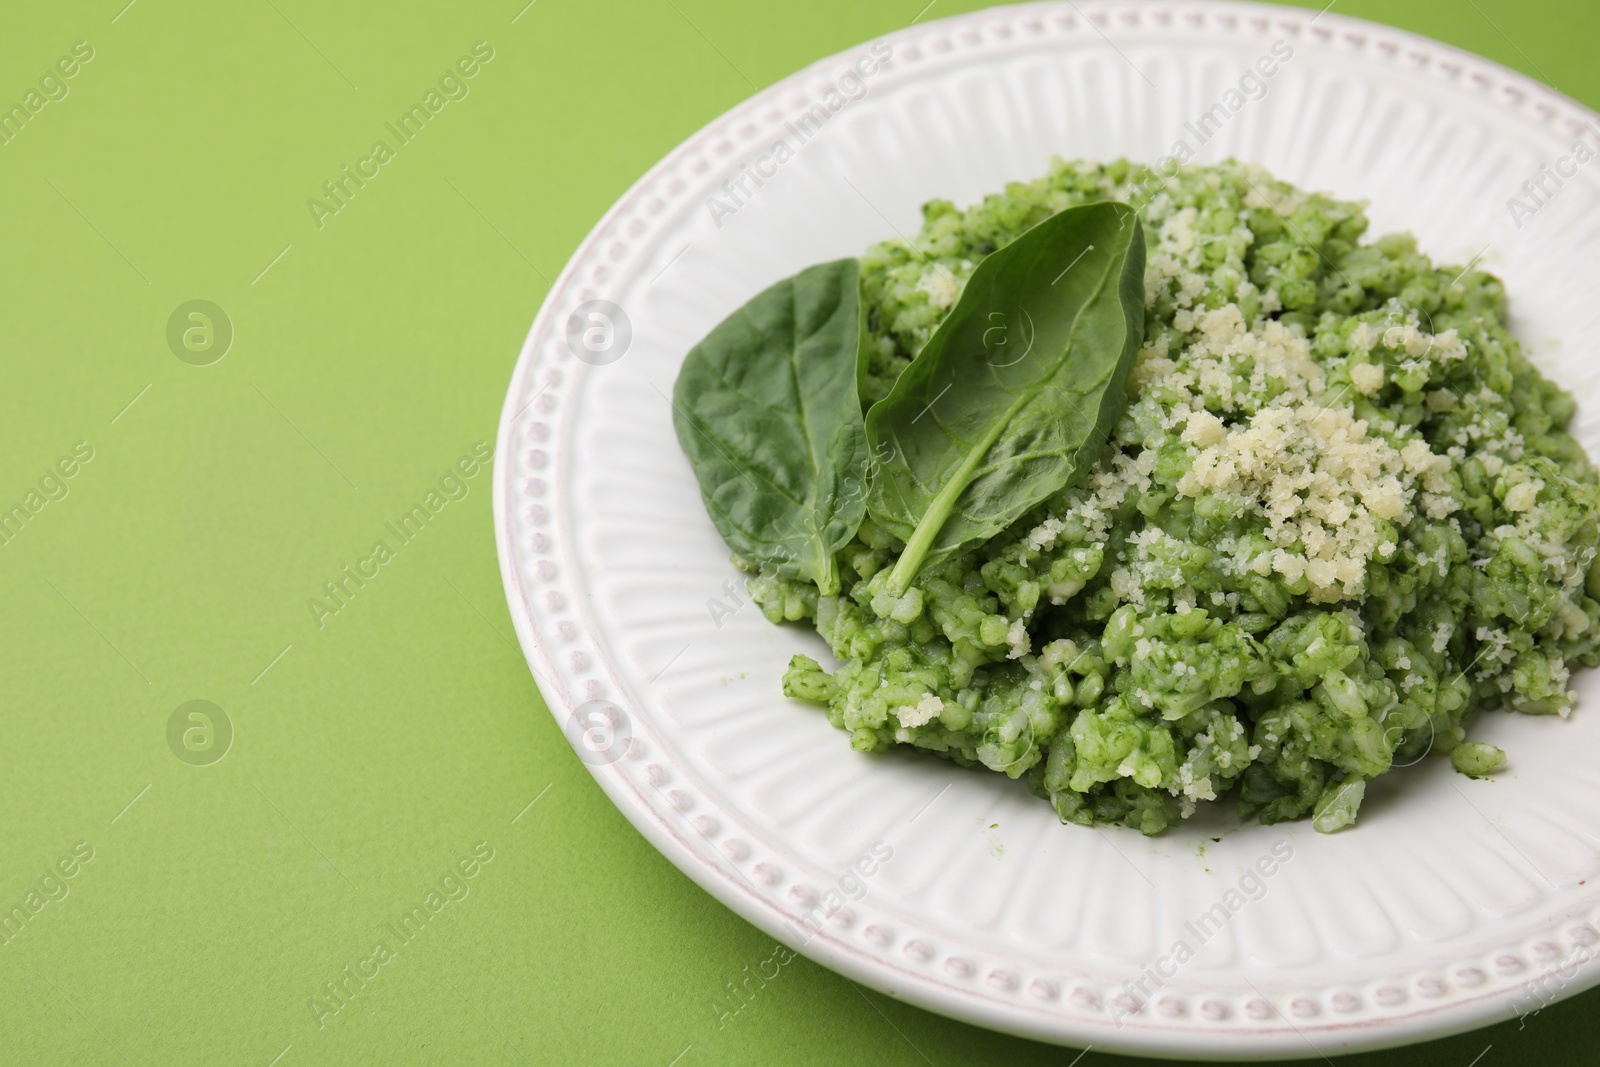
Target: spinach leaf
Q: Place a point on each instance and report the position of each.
(1016, 392)
(767, 410)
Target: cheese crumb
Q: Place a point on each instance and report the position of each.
(942, 287)
(1017, 638)
(1204, 429)
(1523, 497)
(926, 710)
(1367, 378)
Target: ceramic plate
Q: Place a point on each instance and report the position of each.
(1454, 903)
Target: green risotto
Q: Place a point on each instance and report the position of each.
(1337, 513)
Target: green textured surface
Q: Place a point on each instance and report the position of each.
(385, 745)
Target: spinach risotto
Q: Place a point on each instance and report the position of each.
(1152, 488)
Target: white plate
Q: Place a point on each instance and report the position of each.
(1451, 905)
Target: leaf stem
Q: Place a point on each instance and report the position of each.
(828, 580)
(932, 521)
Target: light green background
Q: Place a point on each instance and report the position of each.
(384, 746)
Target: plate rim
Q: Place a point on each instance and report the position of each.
(1450, 1015)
